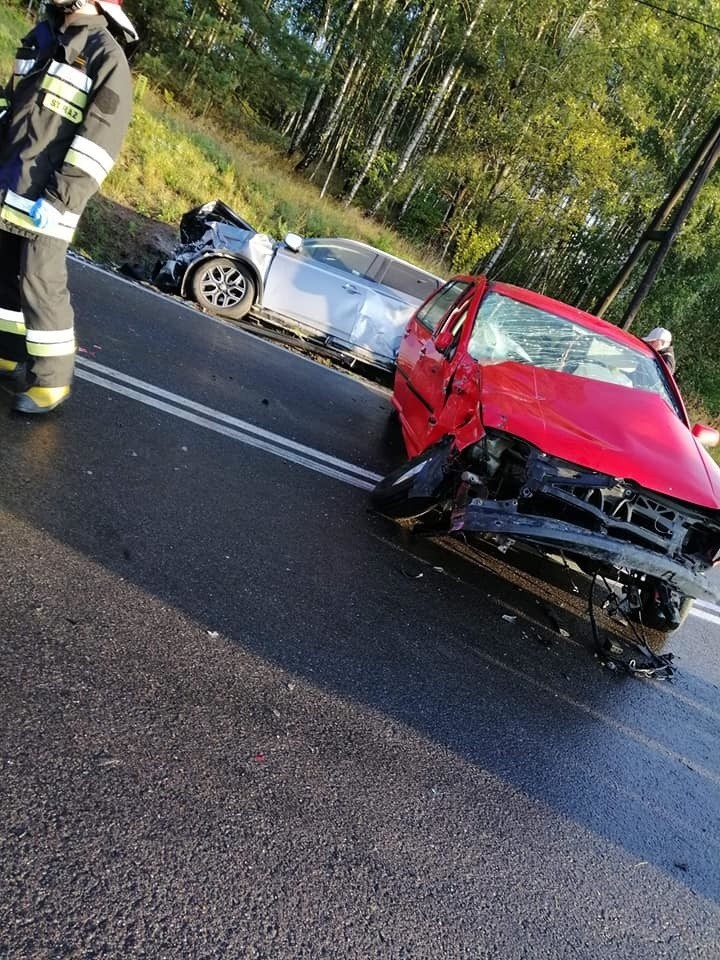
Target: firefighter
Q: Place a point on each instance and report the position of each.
(63, 118)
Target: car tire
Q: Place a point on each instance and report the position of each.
(223, 287)
(658, 640)
(391, 495)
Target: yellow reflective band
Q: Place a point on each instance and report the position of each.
(17, 218)
(12, 326)
(4, 103)
(12, 321)
(50, 336)
(66, 91)
(64, 349)
(15, 211)
(22, 220)
(90, 157)
(67, 110)
(15, 316)
(71, 75)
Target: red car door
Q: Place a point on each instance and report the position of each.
(438, 390)
(442, 372)
(415, 347)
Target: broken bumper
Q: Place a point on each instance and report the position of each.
(501, 519)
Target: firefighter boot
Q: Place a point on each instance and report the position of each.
(40, 399)
(12, 371)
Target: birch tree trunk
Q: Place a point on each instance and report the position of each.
(381, 131)
(488, 265)
(333, 166)
(305, 126)
(437, 101)
(436, 148)
(335, 115)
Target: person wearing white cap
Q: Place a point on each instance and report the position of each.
(660, 340)
(63, 119)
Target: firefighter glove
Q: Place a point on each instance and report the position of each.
(44, 214)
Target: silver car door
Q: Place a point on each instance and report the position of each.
(320, 286)
(381, 321)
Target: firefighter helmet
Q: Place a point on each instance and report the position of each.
(112, 9)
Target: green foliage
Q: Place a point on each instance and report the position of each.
(12, 26)
(473, 244)
(384, 241)
(171, 163)
(285, 213)
(378, 174)
(686, 300)
(318, 224)
(140, 87)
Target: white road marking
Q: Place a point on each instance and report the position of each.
(193, 308)
(707, 605)
(706, 611)
(702, 615)
(259, 438)
(224, 424)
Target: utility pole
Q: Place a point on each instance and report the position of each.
(691, 180)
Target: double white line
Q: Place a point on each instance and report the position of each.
(706, 611)
(223, 423)
(252, 436)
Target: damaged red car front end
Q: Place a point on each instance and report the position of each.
(532, 423)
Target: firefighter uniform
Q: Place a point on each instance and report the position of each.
(63, 119)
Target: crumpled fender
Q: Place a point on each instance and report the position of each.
(429, 479)
(461, 412)
(256, 255)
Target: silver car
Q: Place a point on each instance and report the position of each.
(342, 293)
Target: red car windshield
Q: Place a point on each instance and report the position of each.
(506, 329)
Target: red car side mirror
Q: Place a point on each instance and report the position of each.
(443, 341)
(707, 436)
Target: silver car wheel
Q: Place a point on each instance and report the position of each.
(224, 287)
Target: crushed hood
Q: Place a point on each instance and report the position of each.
(627, 433)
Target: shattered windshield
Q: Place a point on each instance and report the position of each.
(507, 329)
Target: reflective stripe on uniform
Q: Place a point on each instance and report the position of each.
(16, 212)
(12, 321)
(23, 67)
(50, 343)
(63, 108)
(90, 158)
(71, 75)
(66, 91)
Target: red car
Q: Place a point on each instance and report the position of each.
(531, 422)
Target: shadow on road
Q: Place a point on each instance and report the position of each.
(175, 567)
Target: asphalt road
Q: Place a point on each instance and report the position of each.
(244, 717)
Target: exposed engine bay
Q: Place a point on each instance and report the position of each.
(507, 491)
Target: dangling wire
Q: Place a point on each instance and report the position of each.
(618, 654)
